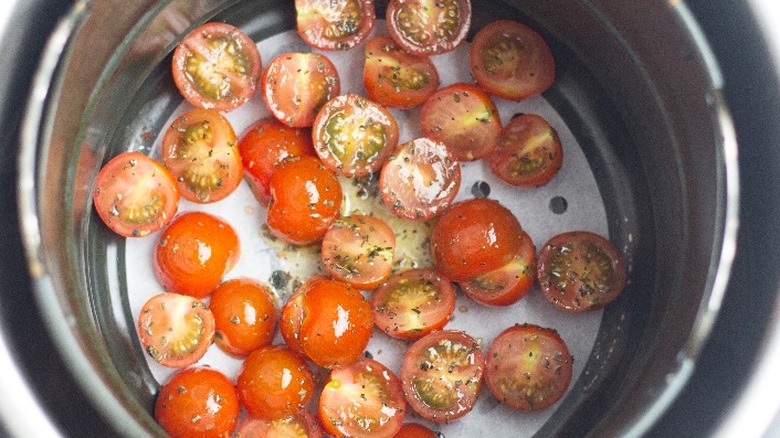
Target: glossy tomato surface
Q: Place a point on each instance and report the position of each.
(425, 27)
(334, 25)
(245, 314)
(300, 425)
(415, 430)
(529, 152)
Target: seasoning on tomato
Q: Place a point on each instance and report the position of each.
(427, 28)
(353, 135)
(464, 118)
(396, 78)
(529, 152)
(302, 424)
(216, 66)
(528, 367)
(200, 150)
(334, 25)
(135, 195)
(580, 271)
(510, 60)
(245, 314)
(297, 85)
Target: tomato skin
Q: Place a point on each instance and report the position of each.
(194, 253)
(414, 430)
(135, 195)
(228, 56)
(510, 60)
(300, 425)
(198, 402)
(328, 25)
(245, 314)
(528, 367)
(428, 28)
(580, 271)
(529, 152)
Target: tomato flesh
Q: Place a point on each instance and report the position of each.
(245, 314)
(427, 27)
(300, 425)
(334, 25)
(529, 152)
(414, 430)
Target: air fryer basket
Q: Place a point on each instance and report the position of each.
(636, 84)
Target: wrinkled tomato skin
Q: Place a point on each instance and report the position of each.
(421, 27)
(245, 314)
(300, 425)
(414, 430)
(354, 21)
(529, 152)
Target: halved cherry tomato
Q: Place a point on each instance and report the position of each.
(305, 200)
(198, 402)
(176, 330)
(359, 250)
(510, 60)
(529, 152)
(464, 118)
(194, 253)
(297, 85)
(245, 314)
(362, 400)
(266, 144)
(300, 425)
(425, 27)
(353, 135)
(217, 67)
(414, 430)
(528, 367)
(396, 78)
(135, 195)
(420, 179)
(334, 25)
(274, 382)
(580, 271)
(413, 303)
(473, 238)
(200, 150)
(442, 374)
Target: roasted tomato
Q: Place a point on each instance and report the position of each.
(135, 195)
(274, 382)
(353, 135)
(414, 430)
(510, 60)
(528, 367)
(300, 425)
(266, 144)
(363, 400)
(580, 271)
(396, 78)
(473, 238)
(217, 67)
(194, 253)
(359, 250)
(200, 150)
(464, 118)
(442, 374)
(413, 303)
(198, 402)
(334, 25)
(420, 179)
(297, 85)
(305, 200)
(176, 330)
(529, 152)
(425, 27)
(245, 314)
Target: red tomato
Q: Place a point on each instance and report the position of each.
(292, 315)
(510, 60)
(528, 367)
(217, 67)
(464, 118)
(266, 144)
(420, 179)
(198, 402)
(395, 78)
(414, 430)
(274, 383)
(301, 425)
(334, 25)
(176, 330)
(200, 150)
(245, 314)
(135, 195)
(297, 85)
(413, 303)
(353, 135)
(305, 200)
(473, 238)
(362, 400)
(442, 374)
(425, 28)
(580, 271)
(194, 253)
(529, 152)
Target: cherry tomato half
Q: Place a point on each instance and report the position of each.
(529, 152)
(580, 271)
(425, 28)
(300, 425)
(334, 25)
(528, 367)
(135, 195)
(245, 314)
(200, 150)
(217, 67)
(414, 430)
(510, 60)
